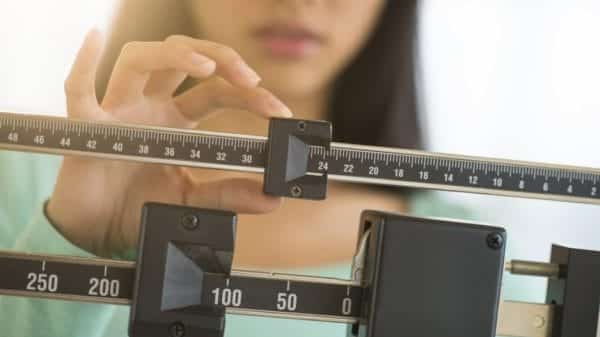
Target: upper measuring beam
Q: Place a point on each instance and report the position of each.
(343, 162)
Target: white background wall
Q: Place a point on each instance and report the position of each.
(39, 41)
(518, 79)
(507, 78)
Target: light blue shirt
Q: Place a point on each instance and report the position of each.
(27, 180)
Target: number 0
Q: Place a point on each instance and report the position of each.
(346, 306)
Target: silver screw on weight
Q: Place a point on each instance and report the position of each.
(296, 191)
(189, 222)
(495, 240)
(177, 329)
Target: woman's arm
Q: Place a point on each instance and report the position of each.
(27, 181)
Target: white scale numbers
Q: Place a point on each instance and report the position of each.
(42, 282)
(48, 282)
(104, 287)
(227, 297)
(287, 301)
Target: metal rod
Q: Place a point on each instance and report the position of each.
(520, 267)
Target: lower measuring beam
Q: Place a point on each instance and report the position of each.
(244, 292)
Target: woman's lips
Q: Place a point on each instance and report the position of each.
(289, 42)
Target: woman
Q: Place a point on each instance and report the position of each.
(351, 62)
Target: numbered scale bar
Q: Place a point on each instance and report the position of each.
(344, 162)
(244, 292)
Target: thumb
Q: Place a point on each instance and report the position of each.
(237, 194)
(80, 84)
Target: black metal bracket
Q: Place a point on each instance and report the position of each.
(575, 292)
(288, 157)
(429, 277)
(178, 247)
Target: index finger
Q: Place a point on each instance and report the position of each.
(230, 65)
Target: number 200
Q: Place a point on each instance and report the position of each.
(104, 287)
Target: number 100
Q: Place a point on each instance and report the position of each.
(227, 297)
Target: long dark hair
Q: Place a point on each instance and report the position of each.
(374, 98)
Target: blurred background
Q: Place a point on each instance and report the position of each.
(503, 78)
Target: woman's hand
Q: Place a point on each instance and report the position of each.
(97, 203)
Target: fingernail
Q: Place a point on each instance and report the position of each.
(95, 37)
(202, 63)
(281, 108)
(247, 72)
(92, 31)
